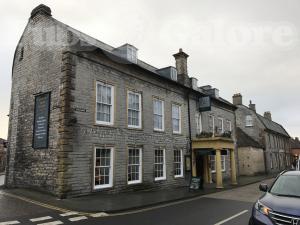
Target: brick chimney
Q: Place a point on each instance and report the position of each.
(181, 66)
(41, 9)
(268, 115)
(237, 99)
(252, 106)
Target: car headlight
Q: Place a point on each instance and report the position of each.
(262, 208)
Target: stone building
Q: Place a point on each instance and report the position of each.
(3, 149)
(262, 141)
(295, 147)
(88, 117)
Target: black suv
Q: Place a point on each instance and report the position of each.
(280, 204)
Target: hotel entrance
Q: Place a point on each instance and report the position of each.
(202, 148)
(202, 164)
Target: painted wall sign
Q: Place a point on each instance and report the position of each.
(204, 104)
(41, 121)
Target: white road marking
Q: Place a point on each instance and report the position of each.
(78, 218)
(230, 218)
(57, 222)
(69, 214)
(101, 214)
(41, 219)
(10, 222)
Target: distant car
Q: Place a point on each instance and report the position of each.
(280, 205)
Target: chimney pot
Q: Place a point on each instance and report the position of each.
(252, 106)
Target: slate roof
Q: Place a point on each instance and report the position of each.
(99, 44)
(273, 126)
(109, 49)
(244, 140)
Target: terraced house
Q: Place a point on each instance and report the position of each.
(263, 144)
(88, 117)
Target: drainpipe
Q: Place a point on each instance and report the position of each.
(190, 133)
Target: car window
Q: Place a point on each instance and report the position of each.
(287, 185)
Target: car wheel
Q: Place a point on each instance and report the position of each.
(250, 222)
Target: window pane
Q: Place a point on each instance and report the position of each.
(134, 109)
(102, 166)
(178, 163)
(134, 158)
(104, 103)
(159, 163)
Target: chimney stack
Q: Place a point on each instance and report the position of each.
(268, 115)
(181, 66)
(252, 106)
(41, 9)
(237, 99)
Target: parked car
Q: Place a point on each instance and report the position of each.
(280, 205)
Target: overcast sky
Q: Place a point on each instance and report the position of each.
(251, 47)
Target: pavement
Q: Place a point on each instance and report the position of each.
(227, 207)
(115, 203)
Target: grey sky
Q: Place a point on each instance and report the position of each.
(243, 46)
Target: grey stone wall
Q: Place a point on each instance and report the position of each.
(257, 130)
(88, 135)
(37, 69)
(276, 146)
(217, 111)
(277, 152)
(251, 161)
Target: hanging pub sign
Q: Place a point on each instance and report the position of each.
(204, 104)
(41, 121)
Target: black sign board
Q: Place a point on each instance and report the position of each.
(204, 104)
(195, 183)
(41, 121)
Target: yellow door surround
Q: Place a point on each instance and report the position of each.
(217, 144)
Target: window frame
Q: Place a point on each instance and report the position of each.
(229, 125)
(140, 110)
(249, 121)
(199, 127)
(112, 116)
(222, 125)
(164, 177)
(163, 114)
(213, 123)
(223, 163)
(181, 163)
(140, 180)
(111, 171)
(173, 74)
(179, 107)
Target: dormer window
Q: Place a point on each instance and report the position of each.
(249, 121)
(132, 54)
(173, 74)
(128, 52)
(169, 72)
